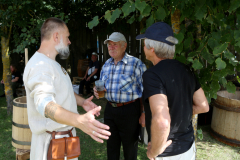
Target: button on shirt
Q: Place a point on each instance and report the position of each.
(123, 81)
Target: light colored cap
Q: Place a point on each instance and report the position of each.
(116, 37)
(94, 53)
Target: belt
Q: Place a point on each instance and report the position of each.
(121, 104)
(61, 132)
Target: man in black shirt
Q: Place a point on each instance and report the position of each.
(173, 94)
(16, 80)
(92, 74)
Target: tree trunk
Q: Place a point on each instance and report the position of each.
(175, 20)
(7, 77)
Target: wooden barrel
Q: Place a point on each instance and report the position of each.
(21, 133)
(225, 124)
(82, 67)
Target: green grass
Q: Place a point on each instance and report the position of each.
(207, 149)
(211, 149)
(7, 151)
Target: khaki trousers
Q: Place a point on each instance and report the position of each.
(189, 155)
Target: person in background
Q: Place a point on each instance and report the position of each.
(51, 102)
(91, 75)
(16, 81)
(122, 74)
(174, 95)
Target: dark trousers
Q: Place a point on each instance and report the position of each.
(87, 84)
(124, 127)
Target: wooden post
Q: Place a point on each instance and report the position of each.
(26, 56)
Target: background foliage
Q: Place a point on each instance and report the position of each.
(209, 37)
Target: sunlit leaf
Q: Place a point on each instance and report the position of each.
(128, 8)
(219, 49)
(108, 16)
(220, 64)
(93, 23)
(140, 5)
(160, 14)
(179, 36)
(115, 15)
(223, 81)
(231, 58)
(149, 21)
(207, 56)
(131, 20)
(146, 11)
(231, 88)
(197, 65)
(212, 43)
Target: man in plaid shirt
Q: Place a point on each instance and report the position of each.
(122, 76)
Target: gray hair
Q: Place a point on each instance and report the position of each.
(162, 50)
(121, 42)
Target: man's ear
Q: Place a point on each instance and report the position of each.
(152, 50)
(55, 36)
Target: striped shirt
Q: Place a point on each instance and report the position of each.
(123, 81)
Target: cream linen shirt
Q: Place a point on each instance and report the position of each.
(44, 79)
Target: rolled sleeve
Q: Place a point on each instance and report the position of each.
(41, 89)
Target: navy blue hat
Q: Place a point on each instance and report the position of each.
(159, 32)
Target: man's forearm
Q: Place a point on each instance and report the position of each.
(79, 99)
(159, 135)
(60, 115)
(198, 110)
(15, 79)
(93, 73)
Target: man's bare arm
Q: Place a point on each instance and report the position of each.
(86, 122)
(15, 79)
(93, 73)
(160, 125)
(200, 103)
(79, 99)
(142, 117)
(50, 110)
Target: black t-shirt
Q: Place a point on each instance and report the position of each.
(92, 67)
(17, 74)
(178, 83)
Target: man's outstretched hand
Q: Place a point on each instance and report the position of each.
(88, 124)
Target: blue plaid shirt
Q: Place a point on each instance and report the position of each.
(123, 81)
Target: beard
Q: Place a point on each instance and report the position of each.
(62, 50)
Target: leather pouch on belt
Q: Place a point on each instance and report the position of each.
(64, 148)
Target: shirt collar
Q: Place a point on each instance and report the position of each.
(124, 60)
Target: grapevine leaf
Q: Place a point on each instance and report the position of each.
(231, 88)
(197, 65)
(220, 64)
(93, 23)
(219, 49)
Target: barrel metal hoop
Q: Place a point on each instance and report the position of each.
(232, 109)
(21, 142)
(20, 105)
(232, 142)
(20, 125)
